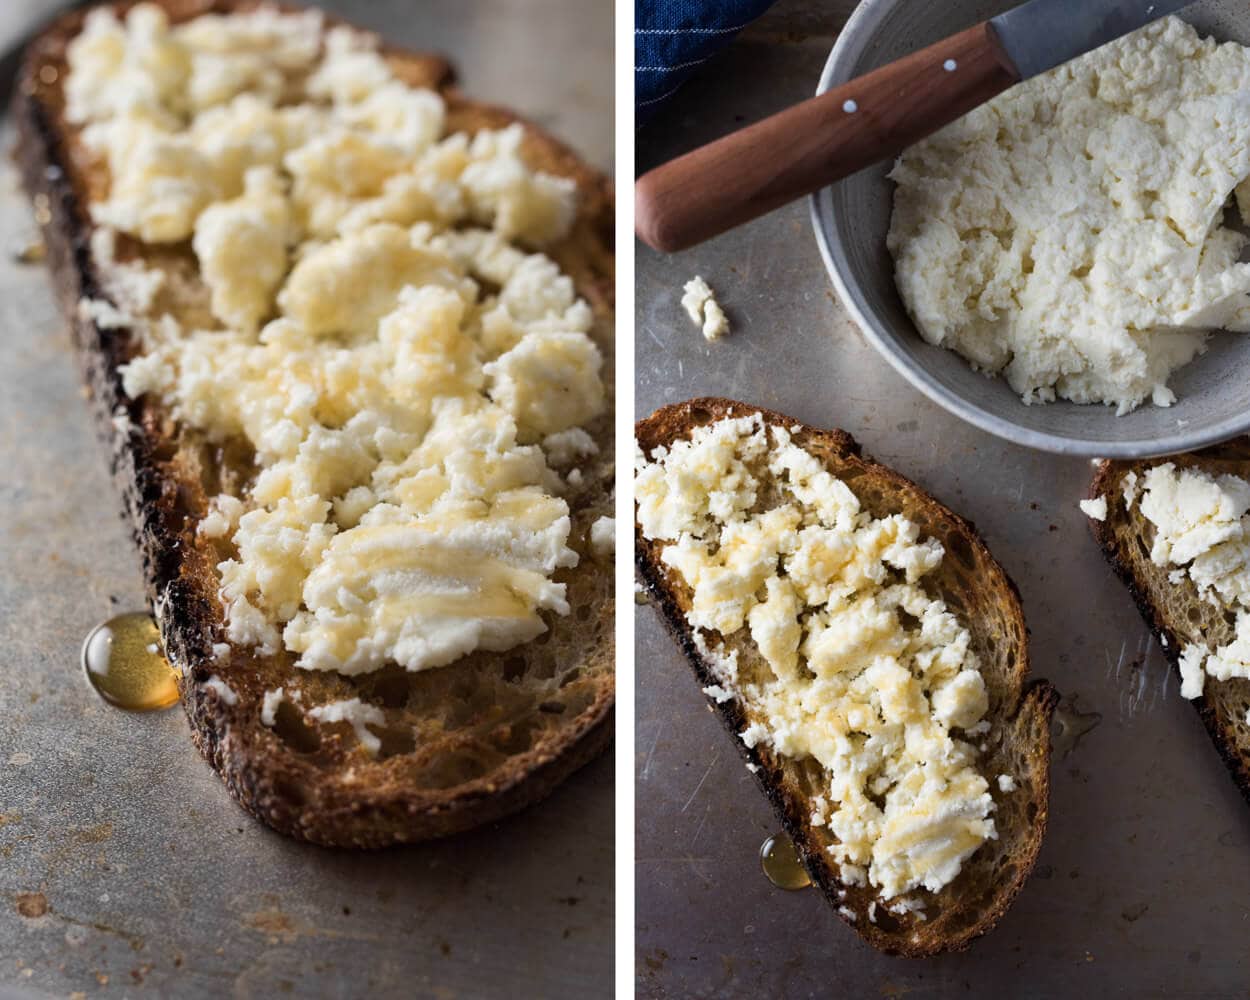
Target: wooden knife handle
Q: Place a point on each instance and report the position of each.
(811, 145)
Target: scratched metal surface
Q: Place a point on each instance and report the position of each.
(125, 869)
(1144, 878)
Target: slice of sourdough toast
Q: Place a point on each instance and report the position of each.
(1175, 612)
(979, 592)
(461, 745)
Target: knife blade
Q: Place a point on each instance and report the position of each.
(1042, 34)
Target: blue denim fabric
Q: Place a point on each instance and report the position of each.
(673, 38)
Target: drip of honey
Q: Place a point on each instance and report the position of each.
(33, 251)
(123, 661)
(781, 863)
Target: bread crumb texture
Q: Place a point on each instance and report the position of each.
(1069, 234)
(867, 673)
(381, 328)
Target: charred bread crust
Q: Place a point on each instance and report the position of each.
(158, 494)
(892, 934)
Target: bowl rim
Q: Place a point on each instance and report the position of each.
(859, 29)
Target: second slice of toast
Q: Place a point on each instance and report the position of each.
(986, 602)
(1175, 612)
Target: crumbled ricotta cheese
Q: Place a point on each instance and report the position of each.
(222, 518)
(1069, 234)
(360, 715)
(871, 676)
(905, 905)
(1006, 783)
(405, 372)
(1096, 508)
(704, 311)
(1202, 525)
(566, 447)
(603, 536)
(1129, 489)
(269, 706)
(224, 691)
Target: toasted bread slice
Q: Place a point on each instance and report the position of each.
(462, 745)
(976, 589)
(1175, 612)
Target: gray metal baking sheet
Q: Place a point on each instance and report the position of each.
(1143, 886)
(155, 883)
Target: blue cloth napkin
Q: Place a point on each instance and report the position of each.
(673, 38)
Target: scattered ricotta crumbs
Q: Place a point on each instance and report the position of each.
(1096, 508)
(269, 706)
(381, 327)
(1006, 783)
(359, 715)
(1202, 527)
(603, 536)
(1069, 234)
(224, 691)
(704, 311)
(1129, 489)
(867, 674)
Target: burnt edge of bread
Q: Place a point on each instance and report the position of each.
(765, 770)
(273, 790)
(1105, 482)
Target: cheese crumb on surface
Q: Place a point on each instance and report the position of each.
(1069, 234)
(1096, 508)
(865, 672)
(1006, 783)
(1201, 525)
(379, 328)
(704, 311)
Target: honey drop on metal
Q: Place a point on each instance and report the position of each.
(781, 863)
(33, 251)
(123, 660)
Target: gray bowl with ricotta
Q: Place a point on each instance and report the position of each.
(852, 219)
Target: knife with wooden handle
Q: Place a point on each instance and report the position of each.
(873, 117)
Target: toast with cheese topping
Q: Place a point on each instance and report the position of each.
(1170, 600)
(409, 666)
(922, 591)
